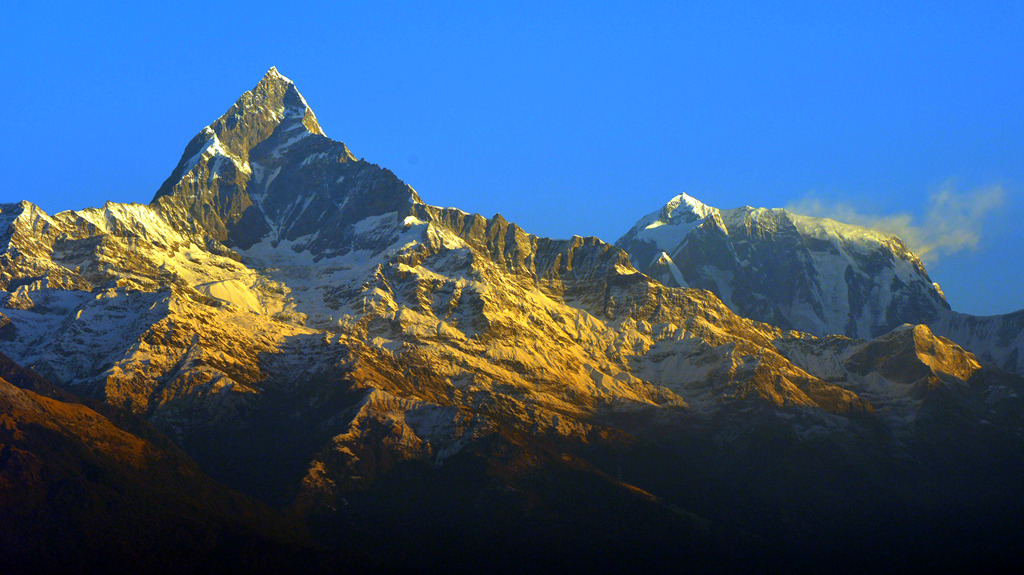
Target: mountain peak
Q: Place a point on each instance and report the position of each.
(810, 274)
(663, 228)
(274, 101)
(687, 208)
(246, 174)
(273, 106)
(283, 98)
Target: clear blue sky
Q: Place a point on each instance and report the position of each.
(566, 118)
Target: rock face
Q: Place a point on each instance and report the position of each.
(314, 334)
(809, 274)
(265, 169)
(998, 339)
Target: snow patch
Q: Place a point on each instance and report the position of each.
(233, 292)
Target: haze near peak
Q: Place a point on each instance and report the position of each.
(953, 221)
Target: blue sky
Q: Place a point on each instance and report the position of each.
(567, 118)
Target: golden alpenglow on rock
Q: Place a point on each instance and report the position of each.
(289, 360)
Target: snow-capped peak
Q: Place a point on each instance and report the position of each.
(686, 208)
(274, 107)
(662, 230)
(811, 274)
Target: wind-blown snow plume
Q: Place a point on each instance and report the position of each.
(951, 222)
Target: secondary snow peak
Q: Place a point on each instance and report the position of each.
(810, 274)
(687, 206)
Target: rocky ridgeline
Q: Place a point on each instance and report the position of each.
(307, 328)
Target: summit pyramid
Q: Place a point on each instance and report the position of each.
(266, 169)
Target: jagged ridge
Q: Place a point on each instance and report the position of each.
(281, 302)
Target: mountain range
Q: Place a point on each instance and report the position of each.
(289, 358)
(813, 275)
